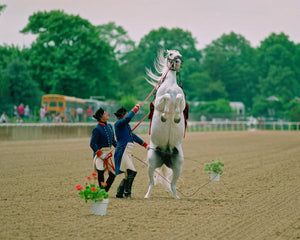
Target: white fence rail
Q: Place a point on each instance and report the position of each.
(27, 131)
(241, 126)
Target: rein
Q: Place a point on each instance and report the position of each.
(160, 80)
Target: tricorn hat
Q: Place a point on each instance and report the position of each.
(98, 115)
(121, 112)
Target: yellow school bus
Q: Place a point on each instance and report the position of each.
(57, 104)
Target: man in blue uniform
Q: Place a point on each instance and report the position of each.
(102, 140)
(125, 139)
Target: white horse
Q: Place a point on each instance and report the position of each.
(168, 125)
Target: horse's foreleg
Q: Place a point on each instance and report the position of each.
(162, 104)
(179, 106)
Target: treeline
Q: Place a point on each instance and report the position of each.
(73, 57)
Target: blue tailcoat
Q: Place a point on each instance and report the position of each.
(124, 135)
(102, 136)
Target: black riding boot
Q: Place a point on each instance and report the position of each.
(120, 190)
(130, 177)
(109, 181)
(100, 177)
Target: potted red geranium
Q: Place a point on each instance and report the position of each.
(97, 196)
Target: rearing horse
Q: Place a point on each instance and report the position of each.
(168, 125)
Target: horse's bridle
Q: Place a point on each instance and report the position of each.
(175, 60)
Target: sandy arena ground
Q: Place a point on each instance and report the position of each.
(258, 196)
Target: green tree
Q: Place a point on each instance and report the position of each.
(128, 101)
(296, 60)
(200, 87)
(2, 7)
(278, 73)
(217, 106)
(295, 112)
(118, 39)
(280, 82)
(69, 57)
(231, 60)
(16, 84)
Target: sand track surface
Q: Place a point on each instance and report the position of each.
(258, 196)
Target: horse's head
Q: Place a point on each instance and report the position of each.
(173, 56)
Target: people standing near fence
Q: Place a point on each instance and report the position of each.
(4, 118)
(21, 111)
(26, 113)
(125, 139)
(102, 143)
(42, 113)
(16, 113)
(89, 113)
(79, 114)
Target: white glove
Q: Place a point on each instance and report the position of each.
(148, 147)
(103, 156)
(136, 108)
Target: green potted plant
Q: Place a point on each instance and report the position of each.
(214, 169)
(98, 197)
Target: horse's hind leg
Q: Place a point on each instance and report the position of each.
(151, 170)
(176, 175)
(153, 163)
(173, 184)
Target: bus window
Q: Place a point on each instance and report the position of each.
(53, 104)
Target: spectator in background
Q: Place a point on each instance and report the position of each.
(21, 111)
(26, 113)
(89, 113)
(57, 118)
(16, 113)
(42, 113)
(4, 118)
(79, 113)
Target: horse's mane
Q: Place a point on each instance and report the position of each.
(160, 65)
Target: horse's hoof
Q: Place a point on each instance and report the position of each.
(147, 196)
(177, 120)
(163, 119)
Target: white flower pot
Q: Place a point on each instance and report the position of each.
(214, 176)
(99, 208)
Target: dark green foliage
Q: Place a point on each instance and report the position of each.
(73, 57)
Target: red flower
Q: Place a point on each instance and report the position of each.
(94, 173)
(88, 178)
(103, 183)
(95, 178)
(78, 187)
(94, 189)
(86, 183)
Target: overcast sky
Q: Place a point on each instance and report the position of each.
(207, 20)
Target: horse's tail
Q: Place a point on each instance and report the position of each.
(163, 176)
